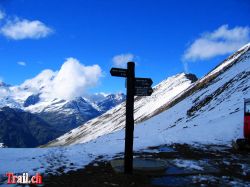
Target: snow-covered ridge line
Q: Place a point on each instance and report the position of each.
(226, 64)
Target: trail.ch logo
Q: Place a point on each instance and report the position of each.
(24, 178)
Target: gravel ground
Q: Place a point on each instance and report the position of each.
(208, 165)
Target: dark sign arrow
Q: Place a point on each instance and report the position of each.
(143, 91)
(118, 72)
(141, 82)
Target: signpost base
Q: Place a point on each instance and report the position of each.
(141, 165)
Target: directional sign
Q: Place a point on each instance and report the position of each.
(141, 82)
(143, 91)
(118, 72)
(135, 86)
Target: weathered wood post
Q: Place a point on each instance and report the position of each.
(129, 131)
(138, 87)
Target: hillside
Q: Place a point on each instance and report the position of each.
(22, 129)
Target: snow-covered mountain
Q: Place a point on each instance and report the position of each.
(110, 101)
(62, 115)
(32, 96)
(65, 115)
(114, 119)
(207, 111)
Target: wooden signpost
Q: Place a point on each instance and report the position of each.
(135, 87)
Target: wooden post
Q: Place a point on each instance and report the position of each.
(129, 131)
(138, 87)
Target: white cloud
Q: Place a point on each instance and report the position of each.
(24, 29)
(222, 41)
(122, 59)
(2, 14)
(72, 80)
(21, 63)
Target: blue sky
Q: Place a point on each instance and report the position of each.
(160, 35)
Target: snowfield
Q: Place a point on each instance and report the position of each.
(212, 114)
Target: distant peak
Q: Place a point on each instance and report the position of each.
(191, 77)
(245, 46)
(4, 84)
(182, 75)
(77, 99)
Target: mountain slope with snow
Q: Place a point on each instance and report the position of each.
(114, 119)
(209, 112)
